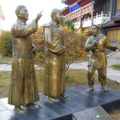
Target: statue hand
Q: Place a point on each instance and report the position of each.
(115, 48)
(38, 16)
(94, 43)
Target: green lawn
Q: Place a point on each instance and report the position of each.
(5, 59)
(73, 78)
(116, 66)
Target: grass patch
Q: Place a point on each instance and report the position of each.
(5, 59)
(116, 66)
(4, 84)
(73, 78)
(115, 114)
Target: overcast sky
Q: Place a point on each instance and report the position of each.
(33, 6)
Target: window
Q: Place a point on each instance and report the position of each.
(118, 4)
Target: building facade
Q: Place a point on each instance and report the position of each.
(85, 13)
(112, 28)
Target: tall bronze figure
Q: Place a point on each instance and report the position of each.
(23, 86)
(96, 44)
(54, 83)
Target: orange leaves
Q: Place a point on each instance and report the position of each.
(74, 46)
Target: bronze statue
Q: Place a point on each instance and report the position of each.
(23, 86)
(54, 83)
(96, 44)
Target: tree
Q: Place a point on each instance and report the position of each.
(69, 24)
(74, 46)
(38, 40)
(5, 44)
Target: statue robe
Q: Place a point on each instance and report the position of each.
(23, 85)
(54, 82)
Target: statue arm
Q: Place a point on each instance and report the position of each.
(25, 30)
(109, 46)
(89, 46)
(52, 46)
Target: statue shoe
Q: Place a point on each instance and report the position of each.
(20, 110)
(64, 95)
(104, 88)
(91, 89)
(55, 100)
(32, 105)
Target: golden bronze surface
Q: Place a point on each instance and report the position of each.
(96, 44)
(54, 83)
(23, 85)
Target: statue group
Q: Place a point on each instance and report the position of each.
(23, 89)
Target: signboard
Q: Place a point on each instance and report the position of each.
(75, 7)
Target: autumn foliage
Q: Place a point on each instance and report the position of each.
(75, 42)
(74, 46)
(5, 44)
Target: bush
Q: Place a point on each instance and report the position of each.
(5, 44)
(74, 46)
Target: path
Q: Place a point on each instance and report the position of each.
(113, 58)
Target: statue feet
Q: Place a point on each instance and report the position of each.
(91, 89)
(104, 88)
(55, 100)
(64, 95)
(32, 105)
(20, 110)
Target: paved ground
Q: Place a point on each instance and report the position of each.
(113, 58)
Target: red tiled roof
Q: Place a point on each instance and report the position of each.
(111, 24)
(84, 2)
(69, 2)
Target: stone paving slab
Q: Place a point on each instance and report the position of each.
(95, 113)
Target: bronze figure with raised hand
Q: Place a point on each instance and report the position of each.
(23, 89)
(54, 83)
(96, 44)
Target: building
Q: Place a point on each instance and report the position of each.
(85, 13)
(112, 27)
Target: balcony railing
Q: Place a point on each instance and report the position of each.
(98, 19)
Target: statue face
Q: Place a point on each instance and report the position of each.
(94, 30)
(58, 18)
(23, 13)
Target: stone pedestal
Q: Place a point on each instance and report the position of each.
(77, 101)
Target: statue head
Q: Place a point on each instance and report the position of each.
(21, 12)
(95, 30)
(56, 16)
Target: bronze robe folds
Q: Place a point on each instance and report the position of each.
(54, 85)
(23, 85)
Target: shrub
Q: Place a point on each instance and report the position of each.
(74, 46)
(5, 44)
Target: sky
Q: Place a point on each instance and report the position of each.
(33, 7)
